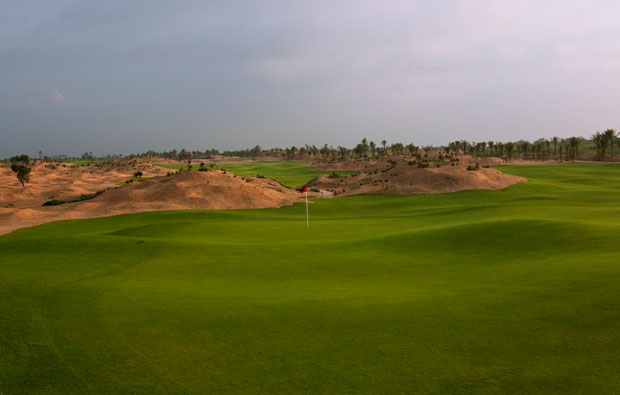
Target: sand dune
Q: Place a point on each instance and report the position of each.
(22, 207)
(403, 179)
(186, 190)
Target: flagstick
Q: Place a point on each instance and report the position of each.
(307, 218)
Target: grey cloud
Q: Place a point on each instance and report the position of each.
(157, 74)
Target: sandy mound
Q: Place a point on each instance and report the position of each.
(54, 181)
(186, 190)
(193, 190)
(385, 178)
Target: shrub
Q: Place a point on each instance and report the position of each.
(54, 202)
(315, 190)
(259, 176)
(333, 174)
(473, 168)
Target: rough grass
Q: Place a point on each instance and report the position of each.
(291, 174)
(80, 162)
(513, 291)
(133, 179)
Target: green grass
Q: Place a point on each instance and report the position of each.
(133, 179)
(291, 174)
(80, 162)
(512, 291)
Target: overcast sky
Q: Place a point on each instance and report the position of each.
(128, 76)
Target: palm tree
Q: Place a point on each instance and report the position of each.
(373, 148)
(524, 147)
(464, 144)
(510, 146)
(600, 140)
(490, 144)
(411, 148)
(555, 145)
(499, 148)
(574, 145)
(610, 134)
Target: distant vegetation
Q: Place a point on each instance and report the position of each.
(600, 146)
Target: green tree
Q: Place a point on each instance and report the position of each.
(525, 145)
(19, 165)
(610, 135)
(600, 140)
(574, 143)
(509, 147)
(490, 145)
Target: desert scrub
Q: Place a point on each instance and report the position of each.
(53, 202)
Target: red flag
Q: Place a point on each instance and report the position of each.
(302, 190)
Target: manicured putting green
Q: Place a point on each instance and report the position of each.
(514, 291)
(291, 174)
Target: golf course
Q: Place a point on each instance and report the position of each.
(513, 291)
(291, 174)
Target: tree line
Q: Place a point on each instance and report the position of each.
(602, 143)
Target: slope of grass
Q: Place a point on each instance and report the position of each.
(80, 162)
(512, 291)
(132, 179)
(291, 174)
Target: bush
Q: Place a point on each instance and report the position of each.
(423, 165)
(473, 168)
(259, 176)
(315, 190)
(333, 174)
(54, 202)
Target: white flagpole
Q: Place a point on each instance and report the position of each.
(307, 218)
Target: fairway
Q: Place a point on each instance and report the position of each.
(291, 174)
(514, 291)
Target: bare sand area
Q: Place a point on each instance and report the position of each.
(405, 177)
(22, 207)
(94, 191)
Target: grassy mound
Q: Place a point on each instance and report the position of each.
(291, 174)
(478, 291)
